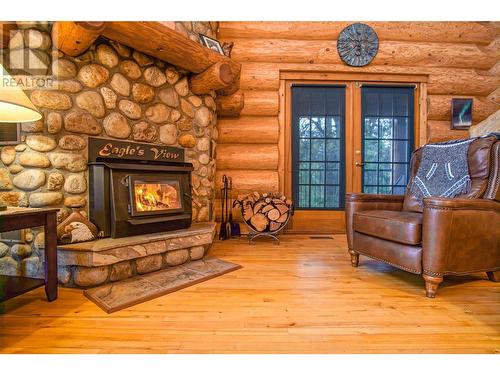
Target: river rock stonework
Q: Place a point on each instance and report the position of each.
(110, 91)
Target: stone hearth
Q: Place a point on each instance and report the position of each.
(106, 260)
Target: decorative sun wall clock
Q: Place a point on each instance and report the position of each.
(357, 44)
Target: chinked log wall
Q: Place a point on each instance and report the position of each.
(460, 59)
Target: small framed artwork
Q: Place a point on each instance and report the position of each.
(211, 43)
(461, 113)
(10, 133)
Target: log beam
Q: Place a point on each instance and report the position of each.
(74, 38)
(216, 77)
(157, 39)
(457, 55)
(231, 105)
(442, 32)
(160, 41)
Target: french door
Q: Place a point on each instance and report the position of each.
(347, 137)
(387, 138)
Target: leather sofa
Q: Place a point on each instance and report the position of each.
(449, 236)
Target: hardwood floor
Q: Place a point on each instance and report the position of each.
(299, 297)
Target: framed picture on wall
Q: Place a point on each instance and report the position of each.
(461, 113)
(211, 43)
(10, 133)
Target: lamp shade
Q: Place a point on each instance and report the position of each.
(15, 106)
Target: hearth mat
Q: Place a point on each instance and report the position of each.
(122, 294)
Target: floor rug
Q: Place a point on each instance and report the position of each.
(122, 294)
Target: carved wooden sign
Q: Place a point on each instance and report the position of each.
(103, 148)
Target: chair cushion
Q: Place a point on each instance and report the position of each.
(398, 226)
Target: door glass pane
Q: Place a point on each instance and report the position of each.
(318, 147)
(387, 121)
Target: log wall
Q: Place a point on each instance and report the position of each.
(461, 59)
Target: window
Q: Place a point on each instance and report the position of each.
(387, 133)
(318, 146)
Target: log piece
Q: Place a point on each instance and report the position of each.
(274, 226)
(248, 129)
(160, 41)
(259, 222)
(247, 181)
(231, 105)
(74, 38)
(273, 214)
(250, 157)
(444, 32)
(442, 81)
(258, 207)
(439, 131)
(217, 76)
(457, 55)
(282, 218)
(261, 103)
(268, 207)
(439, 107)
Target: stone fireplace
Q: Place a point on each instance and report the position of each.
(113, 92)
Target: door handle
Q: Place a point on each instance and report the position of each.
(358, 164)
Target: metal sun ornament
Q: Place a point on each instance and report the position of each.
(357, 44)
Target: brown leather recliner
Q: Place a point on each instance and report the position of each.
(450, 236)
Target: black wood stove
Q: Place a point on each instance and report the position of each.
(138, 188)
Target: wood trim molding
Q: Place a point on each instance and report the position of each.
(352, 76)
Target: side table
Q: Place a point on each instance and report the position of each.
(15, 218)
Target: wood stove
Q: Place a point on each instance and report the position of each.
(138, 188)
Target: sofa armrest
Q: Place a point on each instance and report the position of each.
(460, 236)
(355, 202)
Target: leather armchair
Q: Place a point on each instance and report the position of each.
(454, 236)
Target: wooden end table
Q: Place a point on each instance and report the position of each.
(15, 218)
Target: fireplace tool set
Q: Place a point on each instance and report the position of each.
(228, 228)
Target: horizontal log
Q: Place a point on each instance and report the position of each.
(231, 105)
(261, 103)
(74, 38)
(259, 76)
(216, 77)
(159, 40)
(439, 107)
(447, 32)
(248, 129)
(247, 156)
(248, 181)
(452, 55)
(442, 81)
(439, 131)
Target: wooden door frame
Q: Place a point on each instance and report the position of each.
(331, 221)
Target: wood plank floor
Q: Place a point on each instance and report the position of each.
(299, 297)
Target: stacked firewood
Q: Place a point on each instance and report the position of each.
(268, 212)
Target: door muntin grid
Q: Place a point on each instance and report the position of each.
(387, 138)
(318, 172)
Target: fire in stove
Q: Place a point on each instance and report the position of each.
(157, 196)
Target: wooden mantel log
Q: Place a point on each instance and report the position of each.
(159, 40)
(231, 105)
(74, 38)
(218, 76)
